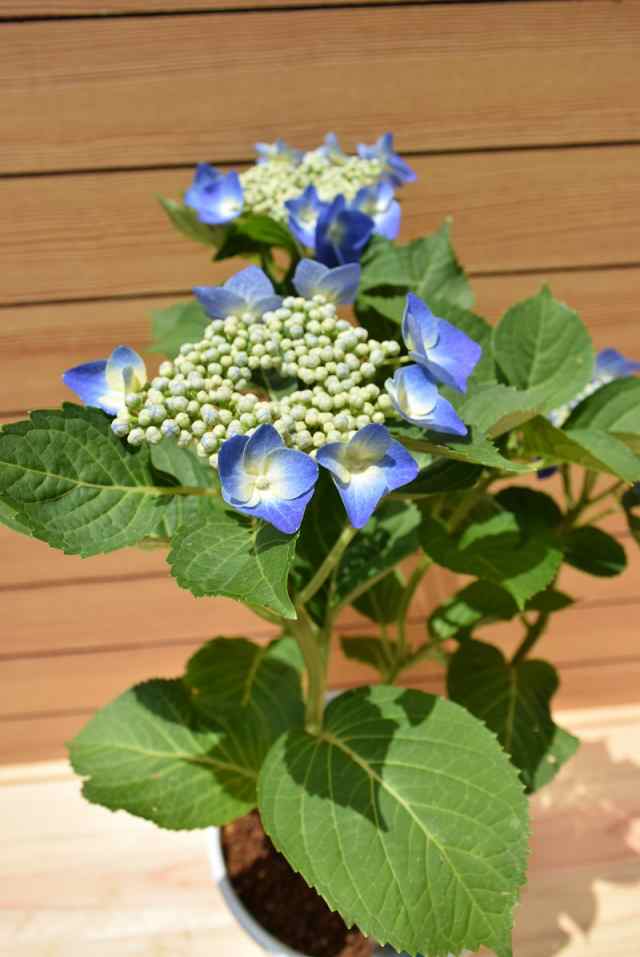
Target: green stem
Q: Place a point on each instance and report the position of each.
(315, 658)
(534, 632)
(330, 562)
(594, 519)
(611, 490)
(468, 502)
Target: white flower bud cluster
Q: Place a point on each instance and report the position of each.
(268, 185)
(219, 387)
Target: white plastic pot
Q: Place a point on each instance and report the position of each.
(269, 944)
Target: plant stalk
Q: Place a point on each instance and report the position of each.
(327, 566)
(314, 652)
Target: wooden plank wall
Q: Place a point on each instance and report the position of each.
(522, 120)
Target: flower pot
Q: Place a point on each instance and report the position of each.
(265, 940)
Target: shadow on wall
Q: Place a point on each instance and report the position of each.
(586, 831)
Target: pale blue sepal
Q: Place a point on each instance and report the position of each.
(415, 397)
(249, 291)
(340, 284)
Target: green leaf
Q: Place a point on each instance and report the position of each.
(496, 545)
(475, 448)
(265, 230)
(406, 816)
(388, 538)
(542, 346)
(594, 552)
(590, 448)
(9, 517)
(427, 266)
(444, 475)
(231, 555)
(562, 747)
(186, 222)
(150, 753)
(182, 467)
(512, 700)
(613, 408)
(253, 691)
(631, 502)
(495, 409)
(368, 651)
(382, 601)
(75, 485)
(175, 325)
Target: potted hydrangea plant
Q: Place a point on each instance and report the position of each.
(334, 410)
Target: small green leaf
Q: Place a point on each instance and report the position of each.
(150, 753)
(495, 409)
(512, 700)
(265, 230)
(68, 478)
(594, 552)
(613, 408)
(368, 651)
(231, 555)
(175, 325)
(382, 601)
(631, 502)
(562, 747)
(477, 604)
(542, 346)
(474, 449)
(444, 475)
(496, 545)
(186, 222)
(406, 816)
(590, 448)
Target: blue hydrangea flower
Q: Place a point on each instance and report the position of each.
(331, 148)
(311, 278)
(394, 166)
(278, 151)
(105, 382)
(216, 197)
(304, 211)
(415, 397)
(447, 353)
(611, 364)
(341, 234)
(250, 291)
(366, 468)
(262, 478)
(378, 202)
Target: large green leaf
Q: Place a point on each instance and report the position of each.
(512, 700)
(594, 552)
(613, 408)
(474, 449)
(591, 448)
(372, 652)
(542, 346)
(264, 229)
(231, 555)
(444, 475)
(9, 517)
(496, 545)
(183, 467)
(406, 816)
(149, 752)
(175, 325)
(75, 485)
(427, 266)
(561, 748)
(495, 408)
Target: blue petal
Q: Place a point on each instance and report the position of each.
(547, 472)
(362, 493)
(413, 394)
(230, 468)
(308, 276)
(264, 440)
(400, 467)
(291, 472)
(89, 382)
(338, 285)
(387, 223)
(444, 418)
(125, 370)
(341, 234)
(453, 358)
(420, 328)
(204, 178)
(219, 201)
(286, 516)
(369, 443)
(611, 363)
(251, 284)
(219, 302)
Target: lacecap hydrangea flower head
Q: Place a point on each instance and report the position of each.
(342, 389)
(332, 203)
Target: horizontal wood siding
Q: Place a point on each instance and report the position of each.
(521, 120)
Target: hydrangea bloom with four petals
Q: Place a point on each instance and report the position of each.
(248, 292)
(104, 383)
(215, 197)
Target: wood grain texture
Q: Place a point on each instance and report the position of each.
(38, 342)
(132, 92)
(21, 9)
(94, 236)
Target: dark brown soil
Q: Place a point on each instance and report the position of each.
(280, 900)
